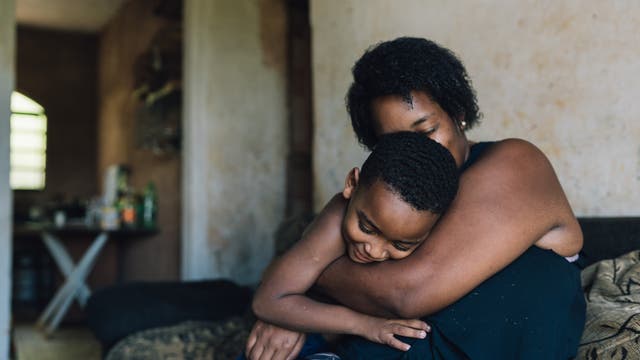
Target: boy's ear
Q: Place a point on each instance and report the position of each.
(351, 182)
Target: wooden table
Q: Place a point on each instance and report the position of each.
(74, 285)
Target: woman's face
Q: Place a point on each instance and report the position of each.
(393, 114)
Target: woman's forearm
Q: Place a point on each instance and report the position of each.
(371, 289)
(301, 313)
(344, 282)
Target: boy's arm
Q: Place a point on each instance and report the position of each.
(281, 298)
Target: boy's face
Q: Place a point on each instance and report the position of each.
(378, 225)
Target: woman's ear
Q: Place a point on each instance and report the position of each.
(462, 124)
(351, 182)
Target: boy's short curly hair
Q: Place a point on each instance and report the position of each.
(403, 65)
(419, 170)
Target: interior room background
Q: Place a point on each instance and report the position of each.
(560, 74)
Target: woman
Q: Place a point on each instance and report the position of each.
(491, 276)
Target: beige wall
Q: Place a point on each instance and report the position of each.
(235, 136)
(562, 74)
(7, 49)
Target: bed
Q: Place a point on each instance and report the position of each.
(612, 290)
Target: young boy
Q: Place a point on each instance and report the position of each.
(384, 213)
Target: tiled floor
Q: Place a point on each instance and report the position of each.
(68, 343)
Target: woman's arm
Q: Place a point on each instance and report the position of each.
(509, 200)
(281, 298)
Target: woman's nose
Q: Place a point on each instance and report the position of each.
(376, 252)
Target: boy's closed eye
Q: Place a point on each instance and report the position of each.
(365, 229)
(400, 246)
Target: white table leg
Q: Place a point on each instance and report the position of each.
(60, 303)
(65, 263)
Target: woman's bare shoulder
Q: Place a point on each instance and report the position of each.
(510, 176)
(513, 172)
(515, 149)
(512, 159)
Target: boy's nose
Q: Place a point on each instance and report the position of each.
(376, 252)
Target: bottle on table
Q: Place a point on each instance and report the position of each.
(149, 206)
(127, 207)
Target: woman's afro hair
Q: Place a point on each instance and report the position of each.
(403, 65)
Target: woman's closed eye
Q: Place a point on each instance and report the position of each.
(431, 130)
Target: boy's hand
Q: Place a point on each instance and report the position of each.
(270, 342)
(383, 330)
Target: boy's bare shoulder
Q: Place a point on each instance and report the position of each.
(336, 206)
(328, 221)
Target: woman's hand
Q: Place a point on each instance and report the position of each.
(383, 330)
(270, 342)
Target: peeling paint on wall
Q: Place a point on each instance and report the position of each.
(273, 26)
(559, 74)
(638, 166)
(235, 138)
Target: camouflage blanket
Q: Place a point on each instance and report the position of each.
(223, 340)
(612, 292)
(195, 340)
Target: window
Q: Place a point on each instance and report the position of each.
(28, 143)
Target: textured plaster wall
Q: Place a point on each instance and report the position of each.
(7, 50)
(235, 136)
(561, 74)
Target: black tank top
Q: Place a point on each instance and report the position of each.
(474, 153)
